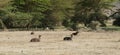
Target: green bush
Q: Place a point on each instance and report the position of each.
(17, 19)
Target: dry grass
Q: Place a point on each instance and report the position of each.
(86, 43)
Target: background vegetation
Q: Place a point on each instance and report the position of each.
(56, 13)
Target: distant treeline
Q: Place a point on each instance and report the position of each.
(55, 13)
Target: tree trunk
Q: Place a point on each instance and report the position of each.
(3, 25)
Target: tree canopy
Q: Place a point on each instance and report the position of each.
(53, 13)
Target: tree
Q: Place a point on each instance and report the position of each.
(3, 4)
(57, 12)
(29, 6)
(34, 7)
(87, 11)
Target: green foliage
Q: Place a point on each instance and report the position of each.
(70, 25)
(35, 8)
(66, 22)
(100, 17)
(61, 12)
(30, 5)
(56, 11)
(3, 12)
(116, 16)
(52, 13)
(17, 19)
(87, 11)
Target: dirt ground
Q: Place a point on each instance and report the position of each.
(85, 43)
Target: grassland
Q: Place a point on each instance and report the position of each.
(85, 43)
